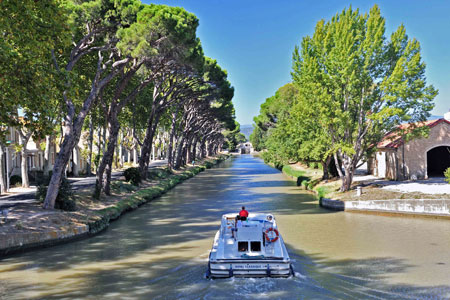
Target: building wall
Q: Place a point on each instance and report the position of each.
(412, 153)
(35, 156)
(384, 164)
(416, 150)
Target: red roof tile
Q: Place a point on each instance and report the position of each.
(393, 139)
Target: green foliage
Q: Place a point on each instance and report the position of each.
(351, 85)
(304, 183)
(123, 187)
(158, 173)
(133, 175)
(65, 199)
(292, 172)
(234, 137)
(15, 180)
(30, 30)
(271, 131)
(322, 192)
(355, 85)
(447, 175)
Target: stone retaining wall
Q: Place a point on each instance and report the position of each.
(412, 206)
(13, 242)
(425, 207)
(332, 204)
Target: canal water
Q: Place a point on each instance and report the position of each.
(160, 251)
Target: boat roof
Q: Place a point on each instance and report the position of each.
(252, 216)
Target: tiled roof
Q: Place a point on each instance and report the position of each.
(393, 139)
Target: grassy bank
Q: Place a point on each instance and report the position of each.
(164, 181)
(311, 179)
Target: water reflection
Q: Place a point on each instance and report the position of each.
(160, 251)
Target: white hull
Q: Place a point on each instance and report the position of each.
(247, 268)
(259, 258)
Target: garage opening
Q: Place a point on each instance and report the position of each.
(438, 160)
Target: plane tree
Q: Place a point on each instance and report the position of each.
(154, 43)
(29, 85)
(359, 84)
(94, 26)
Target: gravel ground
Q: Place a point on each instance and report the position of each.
(433, 186)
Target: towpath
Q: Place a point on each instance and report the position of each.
(21, 196)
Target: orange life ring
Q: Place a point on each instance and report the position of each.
(273, 240)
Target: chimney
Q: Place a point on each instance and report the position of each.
(447, 115)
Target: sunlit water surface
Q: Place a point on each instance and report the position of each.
(160, 251)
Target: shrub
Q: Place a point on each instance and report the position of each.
(15, 180)
(158, 173)
(65, 199)
(128, 164)
(321, 192)
(447, 175)
(310, 186)
(40, 178)
(133, 175)
(120, 186)
(304, 184)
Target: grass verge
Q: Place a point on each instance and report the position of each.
(165, 181)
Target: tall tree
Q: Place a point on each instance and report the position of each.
(28, 83)
(360, 84)
(95, 25)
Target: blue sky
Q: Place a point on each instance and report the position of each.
(254, 40)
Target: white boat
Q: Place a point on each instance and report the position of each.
(251, 248)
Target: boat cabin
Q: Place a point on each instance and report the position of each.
(249, 248)
(254, 237)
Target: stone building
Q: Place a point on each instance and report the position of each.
(419, 158)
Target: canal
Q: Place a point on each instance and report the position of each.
(160, 251)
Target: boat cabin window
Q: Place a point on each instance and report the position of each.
(255, 246)
(242, 246)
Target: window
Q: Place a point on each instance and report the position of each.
(242, 246)
(255, 246)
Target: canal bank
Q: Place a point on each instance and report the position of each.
(372, 199)
(70, 226)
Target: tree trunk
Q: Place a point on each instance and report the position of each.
(325, 166)
(147, 144)
(24, 169)
(61, 161)
(108, 171)
(171, 137)
(90, 143)
(23, 140)
(108, 155)
(135, 154)
(188, 155)
(99, 148)
(179, 153)
(76, 161)
(120, 153)
(2, 170)
(194, 149)
(48, 146)
(203, 148)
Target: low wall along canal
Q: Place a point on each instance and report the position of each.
(409, 207)
(160, 250)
